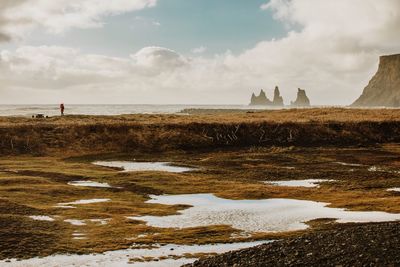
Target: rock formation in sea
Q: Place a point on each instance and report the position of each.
(384, 88)
(302, 100)
(278, 100)
(260, 100)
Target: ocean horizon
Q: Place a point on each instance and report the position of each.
(108, 109)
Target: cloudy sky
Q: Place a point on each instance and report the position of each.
(191, 51)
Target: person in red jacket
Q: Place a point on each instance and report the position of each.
(62, 109)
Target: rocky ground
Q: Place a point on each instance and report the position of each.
(348, 245)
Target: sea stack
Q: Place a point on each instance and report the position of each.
(260, 100)
(302, 99)
(384, 88)
(278, 100)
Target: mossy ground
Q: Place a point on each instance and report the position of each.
(34, 185)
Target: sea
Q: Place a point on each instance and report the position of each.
(52, 110)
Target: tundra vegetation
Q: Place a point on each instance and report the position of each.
(233, 154)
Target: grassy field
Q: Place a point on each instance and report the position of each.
(35, 185)
(77, 135)
(233, 153)
(219, 116)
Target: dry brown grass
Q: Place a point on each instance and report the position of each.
(213, 116)
(76, 135)
(37, 163)
(33, 185)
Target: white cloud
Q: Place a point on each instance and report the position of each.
(152, 75)
(17, 17)
(155, 60)
(331, 50)
(334, 52)
(199, 50)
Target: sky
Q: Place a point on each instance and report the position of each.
(191, 51)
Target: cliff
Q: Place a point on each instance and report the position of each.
(260, 100)
(302, 100)
(384, 88)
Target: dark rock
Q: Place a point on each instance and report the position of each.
(374, 244)
(384, 88)
(278, 100)
(302, 100)
(260, 100)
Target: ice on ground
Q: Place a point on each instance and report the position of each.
(380, 169)
(266, 215)
(129, 166)
(64, 206)
(375, 169)
(75, 222)
(67, 205)
(41, 218)
(89, 184)
(141, 235)
(100, 221)
(299, 183)
(86, 201)
(121, 258)
(349, 164)
(77, 234)
(83, 222)
(395, 189)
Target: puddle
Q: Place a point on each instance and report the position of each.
(89, 184)
(41, 218)
(67, 205)
(122, 257)
(349, 164)
(299, 183)
(129, 166)
(396, 189)
(267, 215)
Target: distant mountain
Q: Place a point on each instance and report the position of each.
(384, 88)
